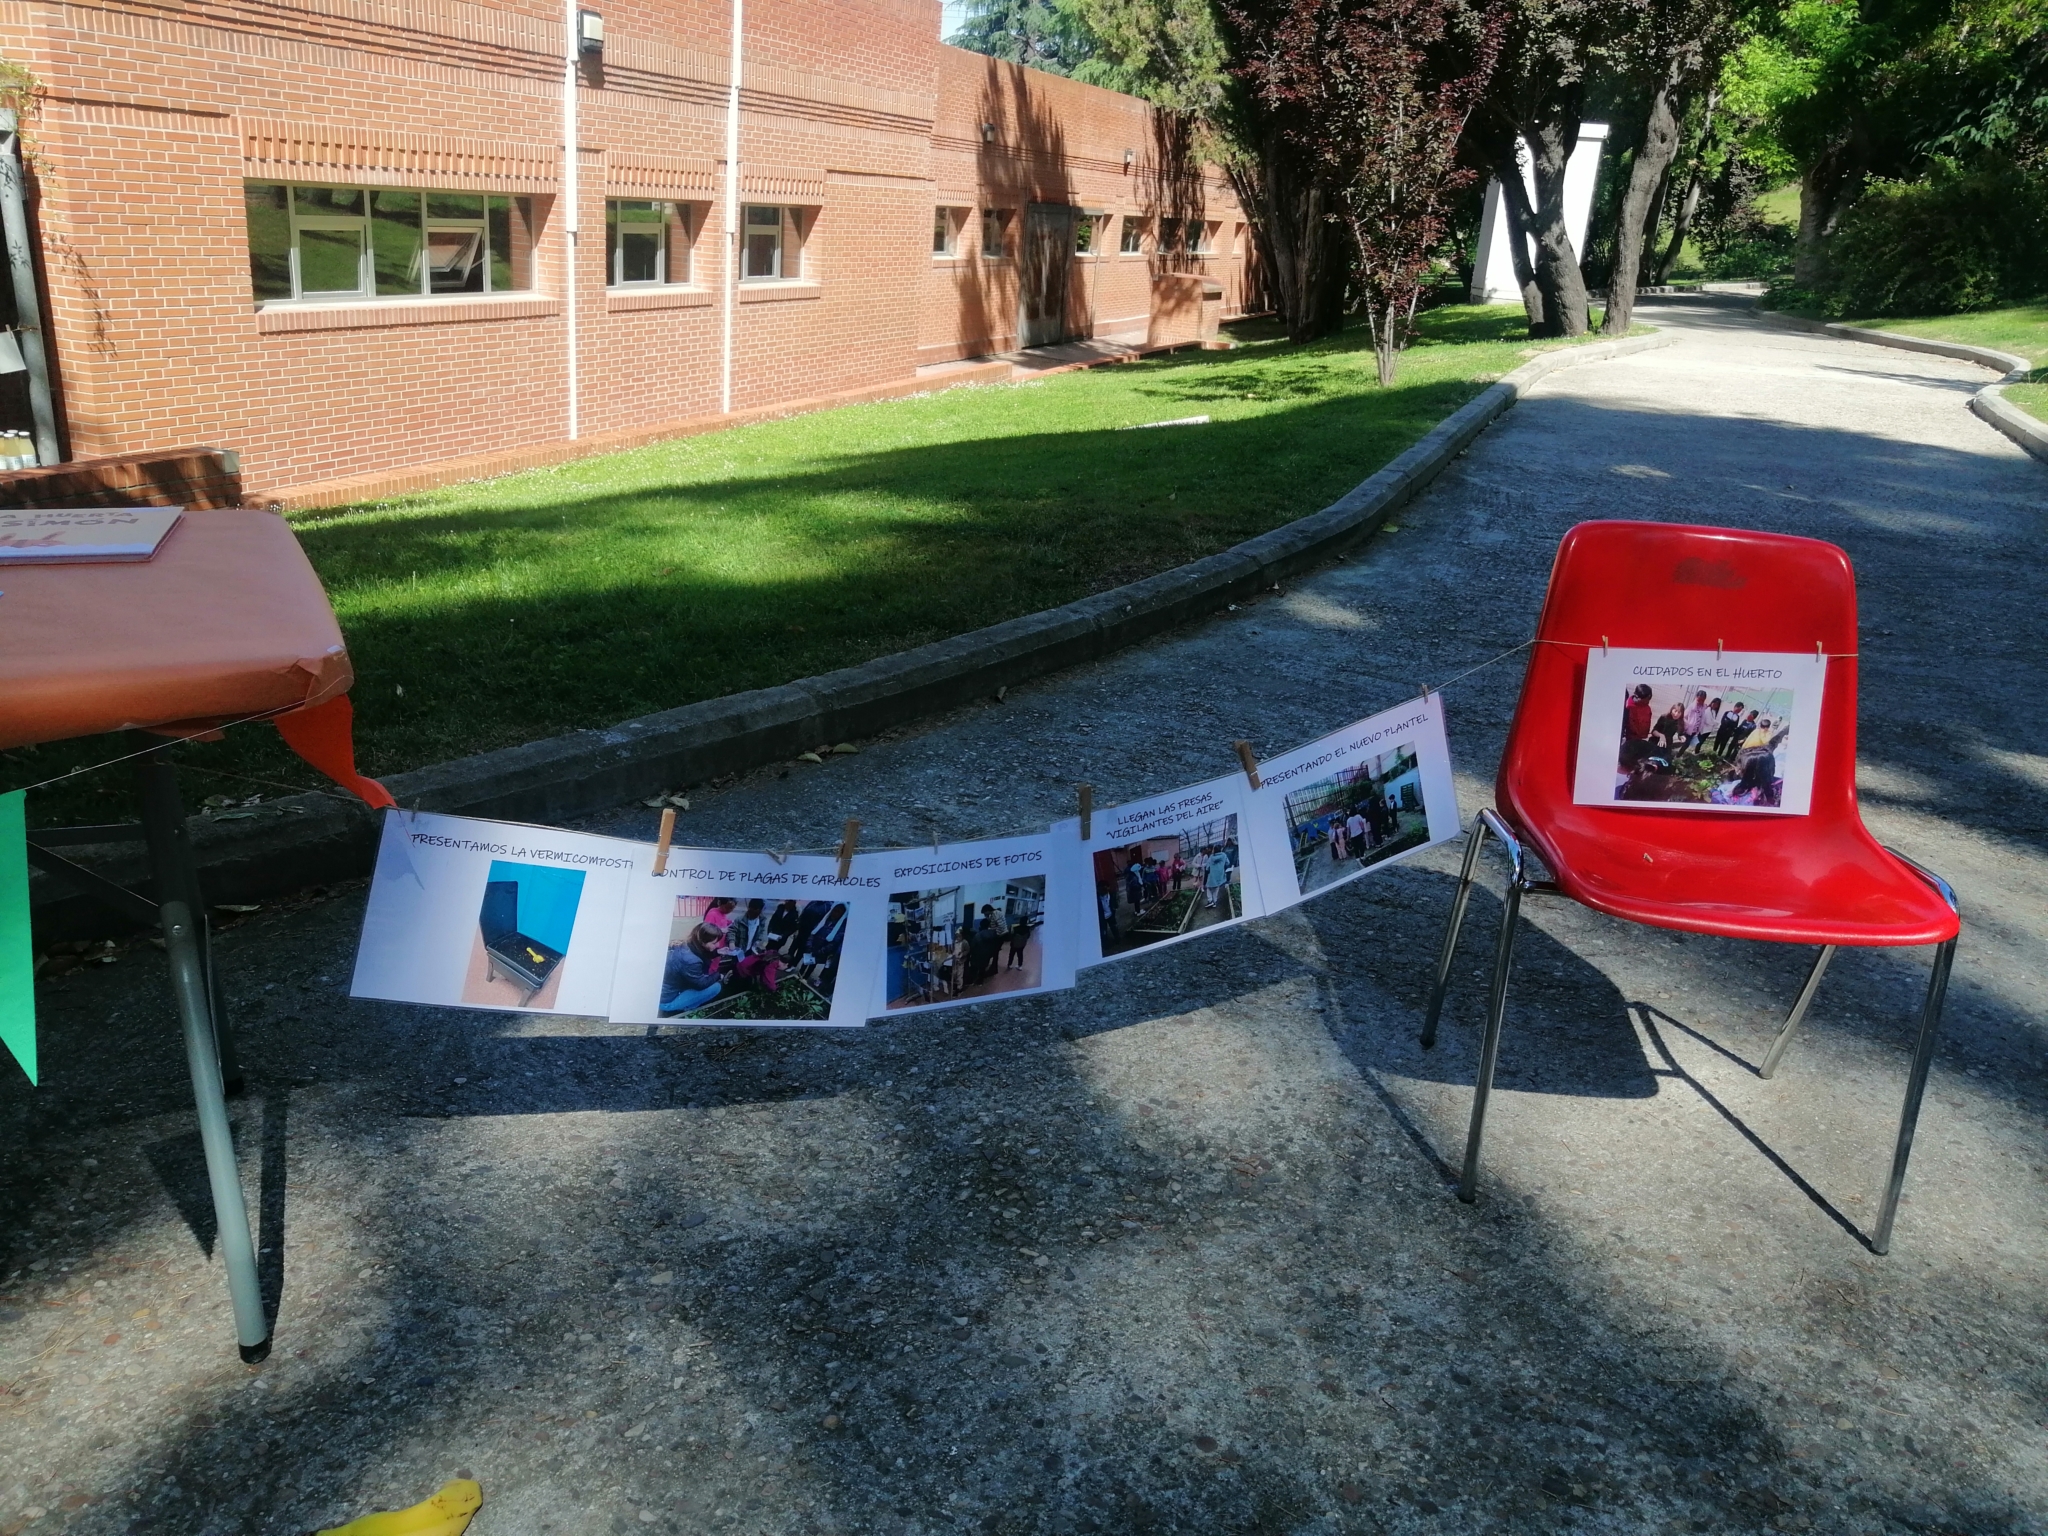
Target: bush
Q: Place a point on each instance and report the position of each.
(1956, 240)
(1759, 251)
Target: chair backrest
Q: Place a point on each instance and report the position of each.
(1674, 586)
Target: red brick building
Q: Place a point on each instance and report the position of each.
(342, 239)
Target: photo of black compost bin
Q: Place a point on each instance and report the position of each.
(524, 960)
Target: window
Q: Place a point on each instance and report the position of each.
(1086, 230)
(1133, 242)
(995, 233)
(774, 245)
(378, 242)
(1169, 237)
(646, 243)
(1201, 237)
(946, 226)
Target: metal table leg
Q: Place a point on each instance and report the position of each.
(177, 879)
(182, 918)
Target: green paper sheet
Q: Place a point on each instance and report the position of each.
(17, 956)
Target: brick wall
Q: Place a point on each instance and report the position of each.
(852, 113)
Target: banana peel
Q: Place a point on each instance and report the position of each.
(447, 1513)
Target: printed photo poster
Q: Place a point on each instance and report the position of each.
(739, 938)
(493, 914)
(974, 922)
(1696, 731)
(1361, 797)
(1161, 869)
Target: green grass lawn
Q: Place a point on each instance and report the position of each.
(503, 611)
(2021, 329)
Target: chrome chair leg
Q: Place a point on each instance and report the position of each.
(1777, 1052)
(1916, 1090)
(1457, 922)
(1489, 1050)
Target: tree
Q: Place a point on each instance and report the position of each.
(1677, 47)
(1378, 93)
(1183, 55)
(1537, 95)
(1051, 35)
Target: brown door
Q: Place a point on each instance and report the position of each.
(1046, 255)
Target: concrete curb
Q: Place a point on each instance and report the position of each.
(305, 839)
(2002, 362)
(1988, 405)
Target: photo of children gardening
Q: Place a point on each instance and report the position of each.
(1369, 811)
(753, 958)
(965, 941)
(1689, 745)
(1162, 887)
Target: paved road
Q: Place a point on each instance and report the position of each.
(1174, 1251)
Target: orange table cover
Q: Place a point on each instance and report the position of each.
(228, 621)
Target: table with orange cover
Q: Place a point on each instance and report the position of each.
(226, 625)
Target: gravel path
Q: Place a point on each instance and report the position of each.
(1175, 1251)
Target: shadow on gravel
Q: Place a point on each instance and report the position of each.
(1111, 1261)
(1031, 1301)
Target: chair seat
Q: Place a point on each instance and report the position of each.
(1804, 881)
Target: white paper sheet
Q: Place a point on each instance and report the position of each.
(1634, 753)
(424, 928)
(1372, 793)
(804, 957)
(937, 952)
(1151, 869)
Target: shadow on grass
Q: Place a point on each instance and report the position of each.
(610, 589)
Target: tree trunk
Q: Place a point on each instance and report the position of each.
(1496, 145)
(1653, 162)
(1292, 231)
(1695, 184)
(1826, 188)
(1551, 134)
(1514, 207)
(1654, 214)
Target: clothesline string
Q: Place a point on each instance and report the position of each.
(168, 741)
(171, 741)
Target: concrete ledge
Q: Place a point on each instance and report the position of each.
(1990, 405)
(2002, 362)
(306, 839)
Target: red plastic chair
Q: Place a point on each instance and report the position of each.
(1814, 879)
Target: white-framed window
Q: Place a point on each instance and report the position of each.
(772, 249)
(1201, 237)
(947, 223)
(1132, 241)
(995, 233)
(646, 243)
(333, 243)
(1087, 234)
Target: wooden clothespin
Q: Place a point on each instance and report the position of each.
(1820, 650)
(848, 841)
(1087, 796)
(1719, 646)
(667, 836)
(1603, 645)
(1249, 762)
(781, 858)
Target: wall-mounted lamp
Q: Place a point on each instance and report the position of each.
(1130, 158)
(589, 34)
(988, 133)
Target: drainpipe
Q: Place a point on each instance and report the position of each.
(732, 210)
(571, 197)
(21, 264)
